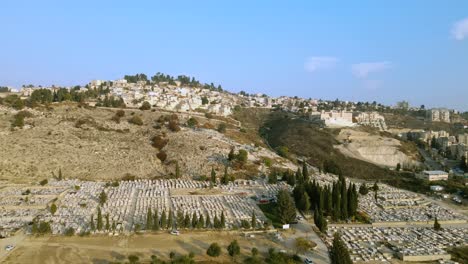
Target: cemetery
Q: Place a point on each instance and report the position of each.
(408, 244)
(124, 209)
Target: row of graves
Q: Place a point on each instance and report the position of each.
(128, 203)
(396, 205)
(382, 244)
(19, 204)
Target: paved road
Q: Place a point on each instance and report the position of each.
(304, 229)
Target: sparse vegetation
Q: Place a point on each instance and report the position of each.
(136, 120)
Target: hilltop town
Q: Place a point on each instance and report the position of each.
(173, 159)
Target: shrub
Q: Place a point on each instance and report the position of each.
(159, 142)
(214, 250)
(69, 231)
(145, 106)
(283, 151)
(209, 115)
(43, 182)
(192, 122)
(162, 156)
(18, 121)
(116, 119)
(136, 120)
(222, 128)
(120, 113)
(53, 208)
(174, 126)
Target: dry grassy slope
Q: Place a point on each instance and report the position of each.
(102, 149)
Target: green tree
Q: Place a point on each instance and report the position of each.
(156, 223)
(194, 220)
(177, 171)
(208, 221)
(437, 226)
(187, 221)
(201, 222)
(91, 223)
(305, 171)
(223, 220)
(214, 250)
(99, 219)
(102, 198)
(225, 178)
(304, 202)
(286, 208)
(253, 221)
(398, 167)
(242, 156)
(170, 221)
(192, 122)
(53, 208)
(213, 175)
(145, 106)
(233, 248)
(163, 219)
(149, 219)
(133, 259)
(231, 155)
(363, 190)
(107, 222)
(339, 254)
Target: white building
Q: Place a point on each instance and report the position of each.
(434, 175)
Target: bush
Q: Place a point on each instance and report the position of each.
(136, 120)
(209, 115)
(162, 156)
(222, 128)
(116, 119)
(174, 126)
(120, 113)
(69, 231)
(18, 121)
(43, 182)
(282, 151)
(159, 142)
(214, 250)
(192, 122)
(145, 106)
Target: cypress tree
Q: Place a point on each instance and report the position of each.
(253, 222)
(201, 222)
(208, 221)
(328, 201)
(305, 172)
(113, 226)
(344, 201)
(177, 171)
(225, 179)
(93, 227)
(299, 177)
(187, 220)
(156, 225)
(99, 219)
(149, 219)
(107, 222)
(437, 226)
(163, 219)
(194, 220)
(213, 175)
(170, 221)
(216, 222)
(223, 220)
(339, 254)
(304, 202)
(180, 220)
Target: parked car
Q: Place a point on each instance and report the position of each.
(175, 232)
(308, 261)
(9, 247)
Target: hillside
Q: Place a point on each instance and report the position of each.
(86, 143)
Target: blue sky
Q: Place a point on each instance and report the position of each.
(364, 50)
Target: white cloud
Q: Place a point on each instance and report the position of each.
(460, 29)
(318, 63)
(362, 70)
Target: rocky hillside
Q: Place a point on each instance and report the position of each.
(94, 143)
(377, 148)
